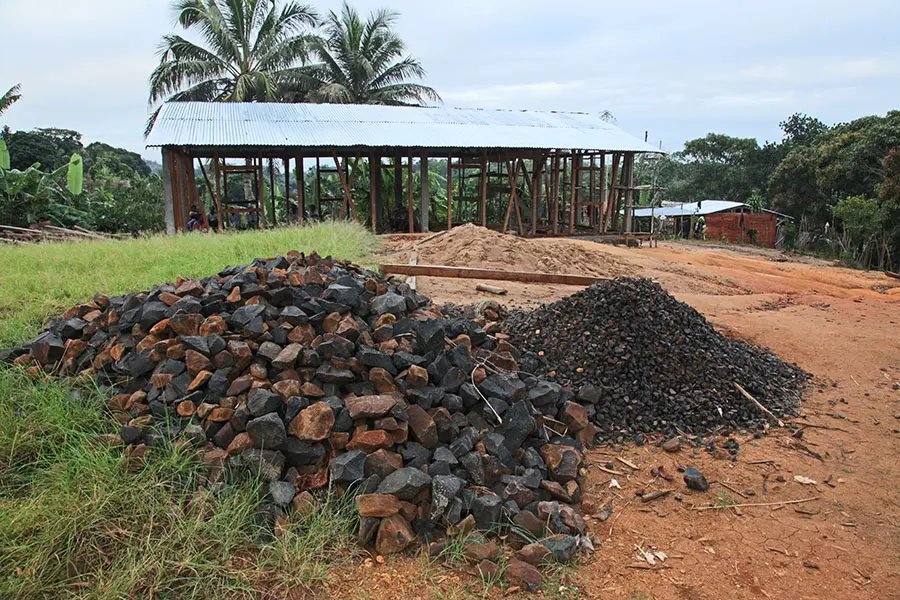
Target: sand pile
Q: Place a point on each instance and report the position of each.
(471, 245)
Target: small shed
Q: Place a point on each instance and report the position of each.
(537, 172)
(725, 220)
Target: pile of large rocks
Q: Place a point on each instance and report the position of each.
(308, 372)
(642, 362)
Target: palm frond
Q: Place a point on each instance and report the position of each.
(10, 97)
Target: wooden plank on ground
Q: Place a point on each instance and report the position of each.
(493, 274)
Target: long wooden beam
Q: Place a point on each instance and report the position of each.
(472, 273)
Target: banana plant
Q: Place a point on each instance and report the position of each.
(34, 195)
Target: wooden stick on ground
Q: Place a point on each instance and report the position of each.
(765, 410)
(492, 274)
(491, 289)
(782, 503)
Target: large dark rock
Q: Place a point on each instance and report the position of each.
(405, 483)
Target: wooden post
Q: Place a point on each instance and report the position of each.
(287, 191)
(216, 174)
(272, 190)
(554, 184)
(449, 192)
(483, 195)
(603, 196)
(318, 189)
(629, 190)
(592, 183)
(573, 200)
(398, 184)
(374, 167)
(260, 194)
(426, 192)
(410, 211)
(301, 192)
(611, 198)
(536, 192)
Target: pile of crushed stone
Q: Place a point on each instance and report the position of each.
(644, 362)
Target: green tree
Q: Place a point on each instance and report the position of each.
(252, 53)
(10, 97)
(363, 62)
(116, 161)
(49, 147)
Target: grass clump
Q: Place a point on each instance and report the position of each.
(74, 521)
(39, 280)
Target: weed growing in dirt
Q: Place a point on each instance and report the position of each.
(725, 500)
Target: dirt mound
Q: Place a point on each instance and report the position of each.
(647, 362)
(471, 245)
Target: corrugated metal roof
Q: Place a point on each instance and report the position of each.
(690, 209)
(323, 125)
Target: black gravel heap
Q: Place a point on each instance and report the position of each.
(645, 362)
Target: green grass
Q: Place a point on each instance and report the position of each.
(74, 522)
(37, 281)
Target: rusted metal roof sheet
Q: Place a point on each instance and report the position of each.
(221, 124)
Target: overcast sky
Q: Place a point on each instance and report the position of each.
(678, 69)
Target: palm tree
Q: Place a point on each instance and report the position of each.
(252, 51)
(10, 97)
(364, 63)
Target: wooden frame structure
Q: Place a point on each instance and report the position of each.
(529, 190)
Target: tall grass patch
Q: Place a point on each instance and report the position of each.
(39, 280)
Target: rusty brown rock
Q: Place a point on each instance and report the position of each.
(370, 407)
(313, 423)
(523, 574)
(416, 377)
(534, 554)
(240, 443)
(370, 441)
(186, 324)
(377, 505)
(382, 380)
(287, 388)
(394, 535)
(213, 325)
(199, 380)
(196, 362)
(422, 426)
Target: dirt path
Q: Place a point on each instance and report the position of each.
(843, 326)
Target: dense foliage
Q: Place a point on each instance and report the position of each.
(111, 190)
(838, 183)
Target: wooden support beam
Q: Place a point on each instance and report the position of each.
(595, 215)
(287, 191)
(554, 183)
(603, 193)
(373, 169)
(483, 194)
(424, 211)
(220, 224)
(611, 197)
(491, 274)
(410, 209)
(272, 190)
(301, 192)
(260, 194)
(536, 192)
(449, 192)
(318, 189)
(573, 193)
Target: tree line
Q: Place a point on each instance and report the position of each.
(839, 183)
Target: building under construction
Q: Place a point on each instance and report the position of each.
(535, 173)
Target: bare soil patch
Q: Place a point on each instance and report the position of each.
(841, 325)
